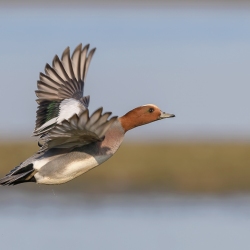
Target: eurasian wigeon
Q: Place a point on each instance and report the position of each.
(71, 141)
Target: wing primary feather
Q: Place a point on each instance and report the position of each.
(53, 74)
(59, 67)
(64, 91)
(65, 59)
(76, 61)
(67, 63)
(83, 61)
(43, 94)
(90, 55)
(46, 87)
(46, 79)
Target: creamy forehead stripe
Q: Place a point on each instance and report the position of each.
(150, 105)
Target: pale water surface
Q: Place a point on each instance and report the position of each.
(124, 222)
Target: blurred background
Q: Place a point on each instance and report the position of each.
(180, 183)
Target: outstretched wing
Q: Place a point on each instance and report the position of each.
(78, 130)
(62, 81)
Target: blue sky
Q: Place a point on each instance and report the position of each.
(191, 62)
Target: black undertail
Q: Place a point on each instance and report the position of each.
(19, 175)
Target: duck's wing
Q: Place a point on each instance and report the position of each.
(60, 88)
(78, 131)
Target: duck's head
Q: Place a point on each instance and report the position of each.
(142, 115)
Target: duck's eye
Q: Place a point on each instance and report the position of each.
(151, 110)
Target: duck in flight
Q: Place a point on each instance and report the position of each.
(71, 140)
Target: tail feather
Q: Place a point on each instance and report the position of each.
(16, 177)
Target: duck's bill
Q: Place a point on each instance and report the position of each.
(166, 115)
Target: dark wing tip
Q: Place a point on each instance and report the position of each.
(86, 47)
(55, 59)
(91, 53)
(66, 52)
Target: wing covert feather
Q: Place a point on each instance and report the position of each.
(74, 132)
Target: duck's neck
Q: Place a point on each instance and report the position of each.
(131, 120)
(113, 137)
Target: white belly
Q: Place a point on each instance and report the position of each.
(69, 171)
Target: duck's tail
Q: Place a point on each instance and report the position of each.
(19, 175)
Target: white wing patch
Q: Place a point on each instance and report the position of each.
(68, 108)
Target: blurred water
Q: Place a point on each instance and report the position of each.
(124, 222)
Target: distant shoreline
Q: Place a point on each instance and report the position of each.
(177, 168)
